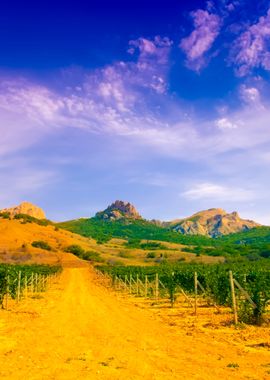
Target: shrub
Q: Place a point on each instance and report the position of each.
(151, 255)
(5, 215)
(25, 218)
(85, 255)
(152, 245)
(265, 254)
(92, 256)
(41, 244)
(75, 249)
(133, 243)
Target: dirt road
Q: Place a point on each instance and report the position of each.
(81, 330)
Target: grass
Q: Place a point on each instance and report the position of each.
(252, 245)
(129, 229)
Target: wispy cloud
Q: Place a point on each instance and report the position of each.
(206, 29)
(30, 112)
(216, 192)
(112, 99)
(121, 100)
(249, 41)
(251, 49)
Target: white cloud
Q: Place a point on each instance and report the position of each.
(251, 96)
(29, 112)
(115, 101)
(216, 192)
(224, 123)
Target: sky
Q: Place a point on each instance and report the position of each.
(164, 104)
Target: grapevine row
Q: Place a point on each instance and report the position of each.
(17, 279)
(213, 281)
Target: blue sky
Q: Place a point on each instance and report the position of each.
(163, 104)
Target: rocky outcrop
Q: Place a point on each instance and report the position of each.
(119, 210)
(26, 208)
(213, 222)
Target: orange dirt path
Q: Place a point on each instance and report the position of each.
(81, 330)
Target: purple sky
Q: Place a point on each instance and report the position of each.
(171, 114)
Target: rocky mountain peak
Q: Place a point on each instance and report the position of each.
(119, 210)
(213, 222)
(26, 208)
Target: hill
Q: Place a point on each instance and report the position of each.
(119, 235)
(213, 222)
(255, 236)
(134, 229)
(17, 238)
(252, 245)
(27, 241)
(25, 208)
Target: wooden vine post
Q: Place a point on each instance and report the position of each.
(36, 282)
(137, 284)
(156, 286)
(19, 286)
(146, 286)
(7, 291)
(130, 284)
(196, 291)
(25, 285)
(233, 297)
(32, 283)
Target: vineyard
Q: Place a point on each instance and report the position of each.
(18, 281)
(245, 288)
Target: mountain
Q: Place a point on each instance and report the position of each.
(212, 232)
(119, 210)
(213, 222)
(26, 208)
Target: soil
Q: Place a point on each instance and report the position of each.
(81, 329)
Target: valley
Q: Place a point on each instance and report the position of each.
(86, 326)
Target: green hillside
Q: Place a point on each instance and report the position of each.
(255, 236)
(130, 229)
(252, 245)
